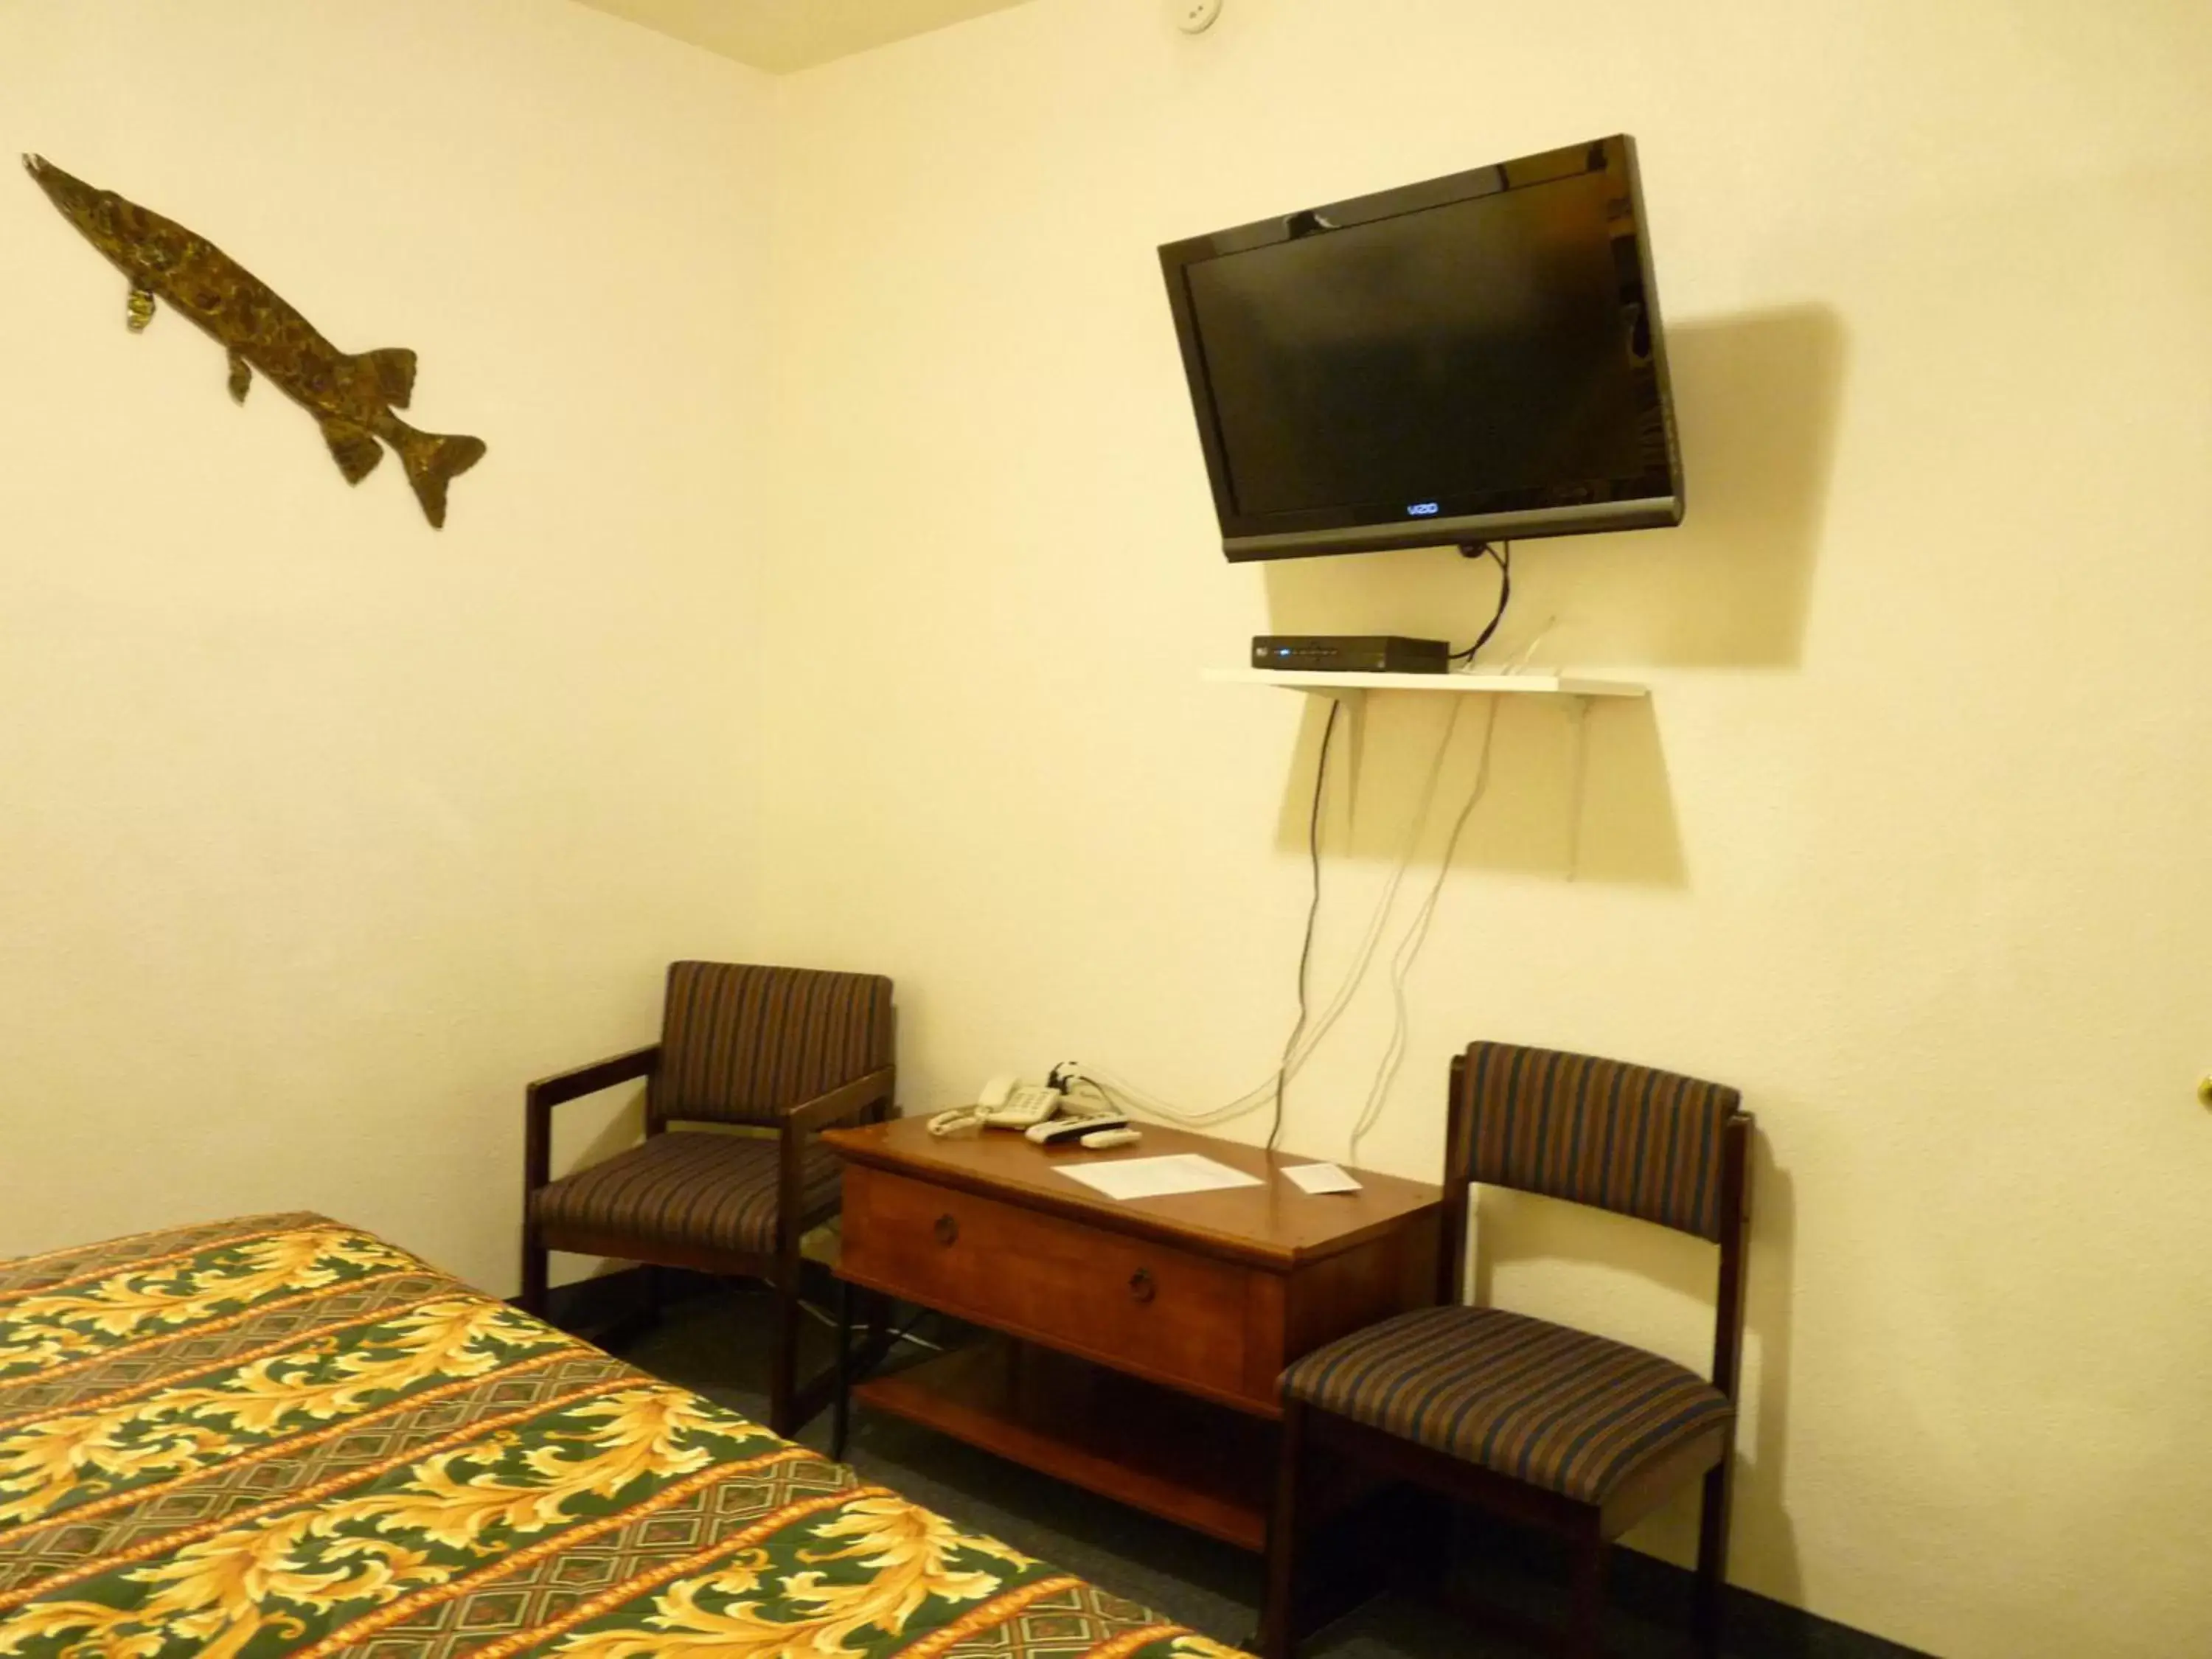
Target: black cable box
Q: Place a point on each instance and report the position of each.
(1351, 653)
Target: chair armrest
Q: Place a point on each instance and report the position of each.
(539, 1099)
(809, 1115)
(842, 1101)
(583, 1080)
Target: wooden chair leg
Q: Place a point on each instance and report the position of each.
(1712, 1554)
(532, 1298)
(1586, 1600)
(783, 1358)
(1279, 1616)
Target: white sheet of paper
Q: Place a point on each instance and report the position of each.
(1321, 1178)
(1157, 1177)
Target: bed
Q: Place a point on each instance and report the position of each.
(281, 1435)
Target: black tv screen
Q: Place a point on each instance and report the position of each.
(1476, 357)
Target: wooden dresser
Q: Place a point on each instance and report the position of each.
(1148, 1333)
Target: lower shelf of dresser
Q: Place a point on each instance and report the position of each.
(1187, 1460)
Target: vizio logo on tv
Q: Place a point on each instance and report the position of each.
(1422, 510)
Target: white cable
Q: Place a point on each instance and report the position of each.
(1410, 947)
(1520, 660)
(1262, 1093)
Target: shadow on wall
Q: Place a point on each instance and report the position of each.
(1518, 1228)
(1756, 399)
(1583, 796)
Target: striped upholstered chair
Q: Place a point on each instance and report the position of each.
(785, 1051)
(1545, 1424)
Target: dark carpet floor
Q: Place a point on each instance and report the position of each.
(715, 1341)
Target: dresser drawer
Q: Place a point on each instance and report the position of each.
(1142, 1307)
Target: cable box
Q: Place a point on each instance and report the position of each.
(1351, 653)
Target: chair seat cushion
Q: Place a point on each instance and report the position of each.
(685, 1187)
(1558, 1409)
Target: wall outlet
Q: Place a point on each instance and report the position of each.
(1193, 16)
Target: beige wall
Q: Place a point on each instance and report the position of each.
(1909, 842)
(321, 831)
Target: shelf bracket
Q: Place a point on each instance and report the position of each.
(1577, 773)
(1351, 699)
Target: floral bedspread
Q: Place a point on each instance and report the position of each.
(281, 1435)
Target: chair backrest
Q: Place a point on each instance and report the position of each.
(742, 1044)
(1599, 1131)
(1650, 1144)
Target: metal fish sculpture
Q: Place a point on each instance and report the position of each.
(351, 397)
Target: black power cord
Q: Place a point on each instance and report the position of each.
(1313, 911)
(1503, 554)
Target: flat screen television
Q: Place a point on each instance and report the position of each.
(1474, 358)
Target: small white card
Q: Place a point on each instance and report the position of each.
(1157, 1177)
(1321, 1178)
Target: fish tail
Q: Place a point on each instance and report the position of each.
(432, 463)
(394, 369)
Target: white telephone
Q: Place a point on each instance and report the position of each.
(1006, 1103)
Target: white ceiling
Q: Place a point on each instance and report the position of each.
(782, 35)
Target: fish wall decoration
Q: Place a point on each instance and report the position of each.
(350, 396)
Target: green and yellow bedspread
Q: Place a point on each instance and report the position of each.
(281, 1436)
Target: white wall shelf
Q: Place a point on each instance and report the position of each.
(1537, 684)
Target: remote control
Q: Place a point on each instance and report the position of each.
(1099, 1140)
(1055, 1130)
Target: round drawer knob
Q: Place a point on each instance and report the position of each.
(1142, 1285)
(947, 1229)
